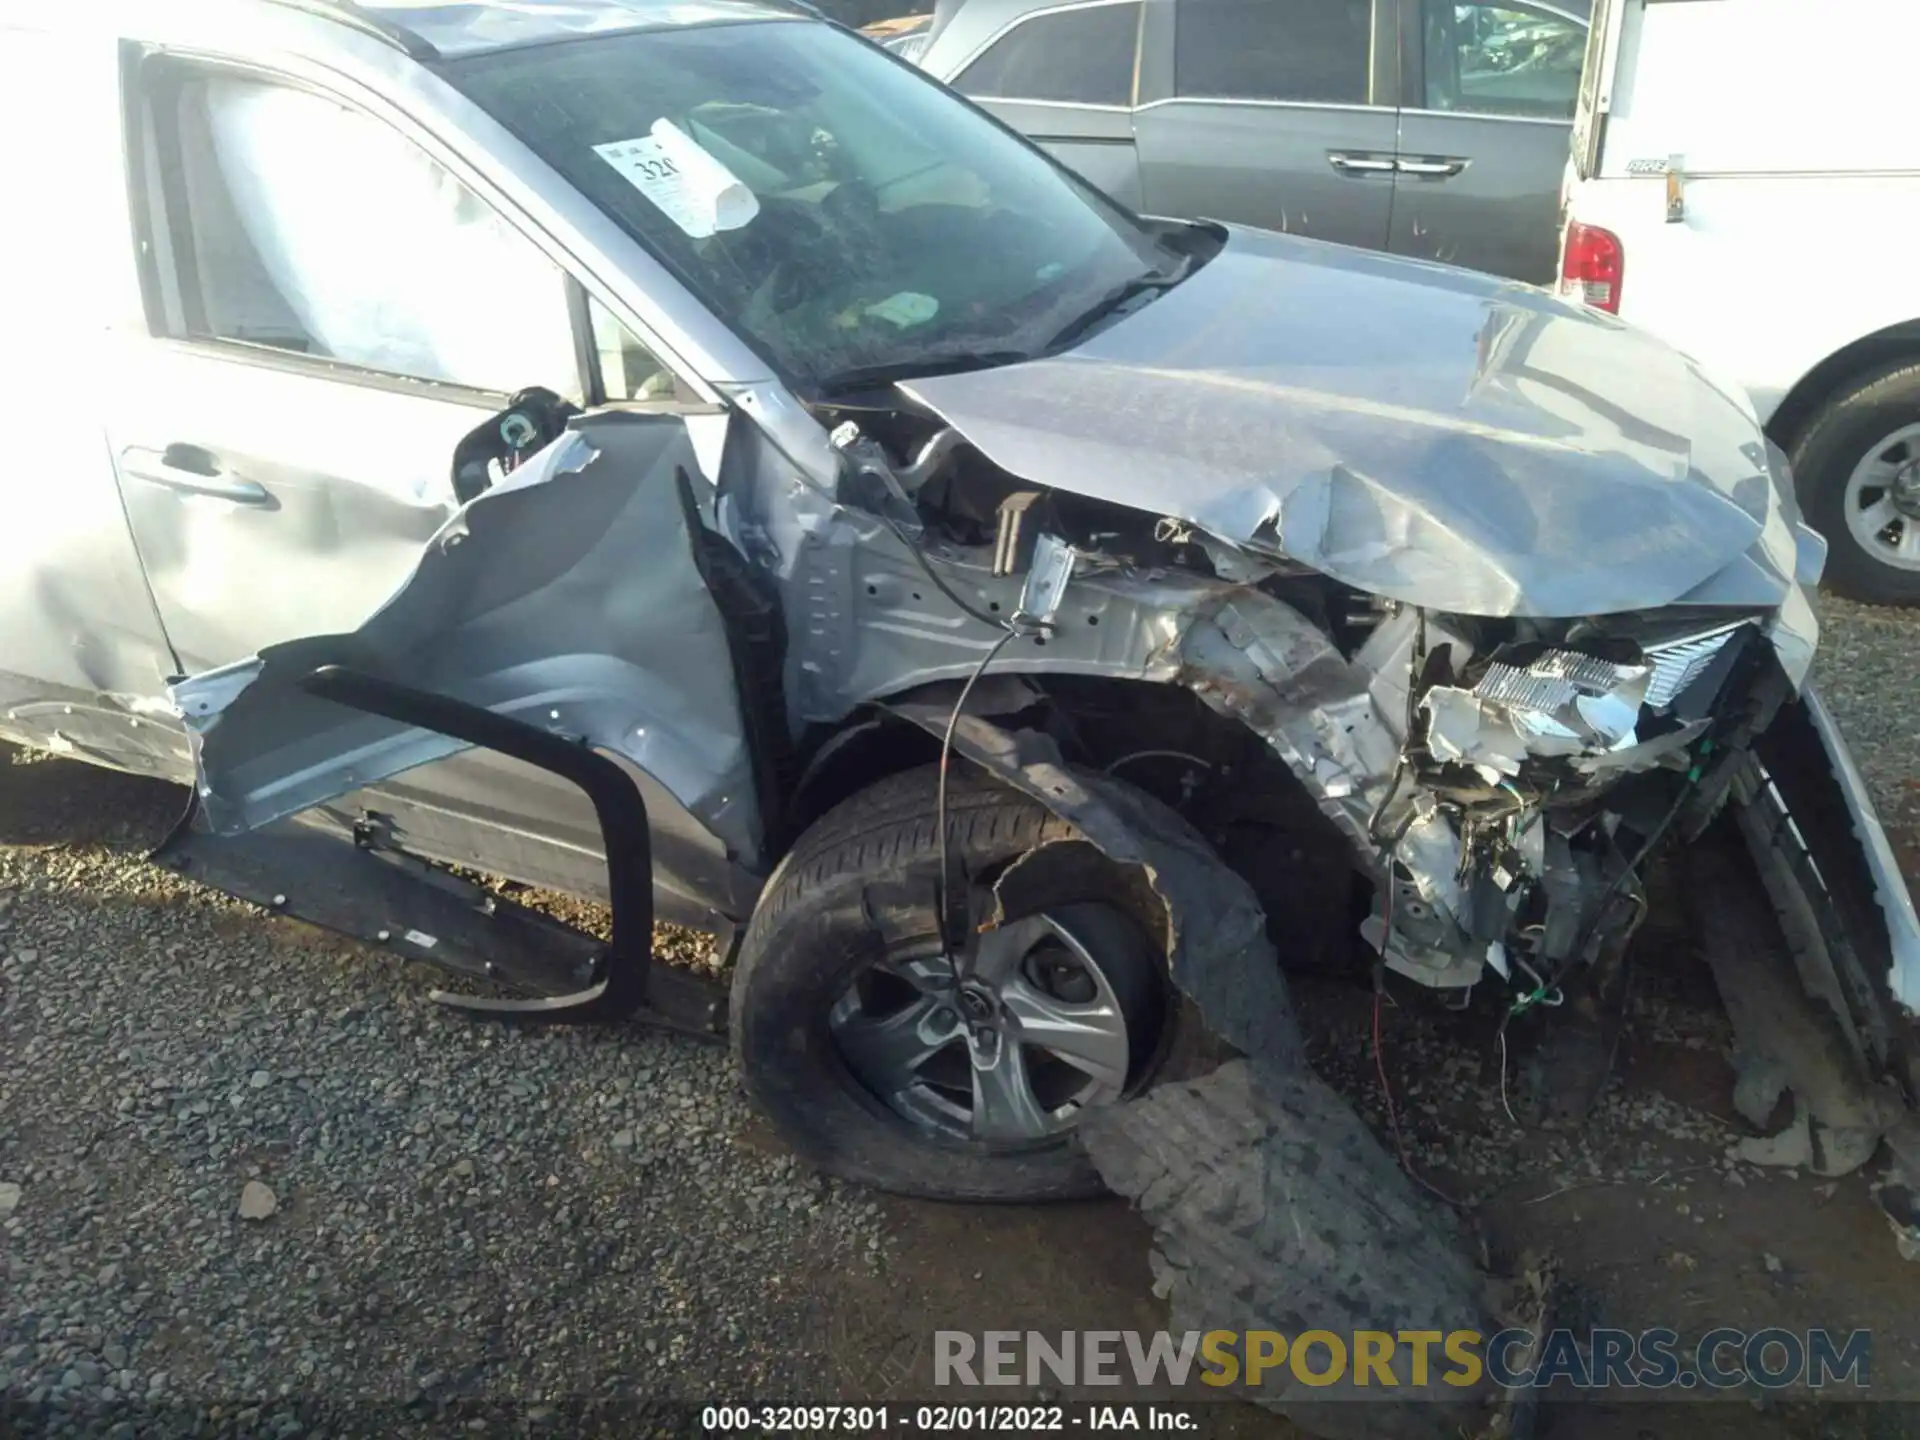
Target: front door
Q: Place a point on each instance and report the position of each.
(1491, 90)
(331, 311)
(334, 311)
(1274, 113)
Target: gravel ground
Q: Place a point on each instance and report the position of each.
(253, 1181)
(1868, 668)
(447, 1213)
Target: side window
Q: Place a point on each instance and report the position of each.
(1313, 50)
(1490, 59)
(288, 220)
(1082, 56)
(629, 370)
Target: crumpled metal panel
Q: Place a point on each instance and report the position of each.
(1422, 433)
(1265, 664)
(565, 596)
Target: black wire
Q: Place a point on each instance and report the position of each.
(1609, 895)
(947, 938)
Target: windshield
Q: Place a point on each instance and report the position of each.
(841, 212)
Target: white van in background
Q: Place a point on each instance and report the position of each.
(1745, 182)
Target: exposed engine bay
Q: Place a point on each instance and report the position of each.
(1536, 775)
(1500, 781)
(1412, 670)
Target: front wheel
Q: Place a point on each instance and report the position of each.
(885, 1060)
(1858, 469)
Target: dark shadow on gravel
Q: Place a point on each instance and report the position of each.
(46, 800)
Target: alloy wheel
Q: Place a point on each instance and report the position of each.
(1047, 1017)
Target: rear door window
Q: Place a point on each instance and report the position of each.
(1502, 59)
(1082, 56)
(1302, 50)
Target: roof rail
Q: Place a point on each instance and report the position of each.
(345, 12)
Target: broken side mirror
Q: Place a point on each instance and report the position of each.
(534, 419)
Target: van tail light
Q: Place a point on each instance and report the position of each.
(1591, 265)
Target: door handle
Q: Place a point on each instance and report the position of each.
(193, 470)
(1432, 169)
(1352, 164)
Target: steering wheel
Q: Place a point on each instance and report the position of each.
(851, 206)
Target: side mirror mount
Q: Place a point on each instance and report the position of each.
(534, 419)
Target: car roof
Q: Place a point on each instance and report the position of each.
(975, 21)
(451, 28)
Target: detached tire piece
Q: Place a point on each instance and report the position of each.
(1274, 1208)
(1859, 423)
(858, 889)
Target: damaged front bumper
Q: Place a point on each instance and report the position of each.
(1485, 792)
(1892, 899)
(1812, 937)
(1506, 820)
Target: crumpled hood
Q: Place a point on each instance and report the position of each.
(1419, 432)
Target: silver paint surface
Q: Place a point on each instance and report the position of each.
(463, 29)
(1417, 432)
(1890, 886)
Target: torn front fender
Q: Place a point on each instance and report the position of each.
(1269, 1198)
(567, 596)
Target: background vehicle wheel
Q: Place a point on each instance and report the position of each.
(855, 1039)
(1858, 468)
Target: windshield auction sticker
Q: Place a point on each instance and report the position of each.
(692, 188)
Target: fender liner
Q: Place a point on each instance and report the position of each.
(1214, 927)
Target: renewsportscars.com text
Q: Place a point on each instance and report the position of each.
(1599, 1358)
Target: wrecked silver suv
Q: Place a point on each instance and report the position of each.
(681, 456)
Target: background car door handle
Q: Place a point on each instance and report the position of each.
(1432, 169)
(194, 470)
(1348, 164)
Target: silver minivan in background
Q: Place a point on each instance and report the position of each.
(1429, 128)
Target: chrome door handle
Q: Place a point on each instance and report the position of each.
(1348, 164)
(195, 471)
(1432, 169)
